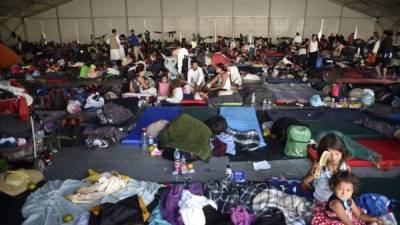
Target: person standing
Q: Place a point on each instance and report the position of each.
(313, 52)
(134, 41)
(180, 52)
(297, 40)
(384, 53)
(117, 51)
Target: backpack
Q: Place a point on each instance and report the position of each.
(54, 100)
(297, 140)
(374, 204)
(272, 216)
(280, 126)
(70, 132)
(217, 124)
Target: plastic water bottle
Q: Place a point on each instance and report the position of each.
(183, 165)
(269, 104)
(228, 172)
(253, 99)
(264, 105)
(177, 161)
(144, 140)
(150, 140)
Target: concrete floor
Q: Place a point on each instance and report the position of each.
(129, 160)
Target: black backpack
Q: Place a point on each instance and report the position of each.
(70, 132)
(54, 100)
(280, 126)
(273, 216)
(217, 124)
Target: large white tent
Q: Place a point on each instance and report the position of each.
(64, 21)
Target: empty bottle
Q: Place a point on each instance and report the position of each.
(264, 105)
(269, 104)
(228, 172)
(183, 165)
(177, 161)
(144, 140)
(253, 99)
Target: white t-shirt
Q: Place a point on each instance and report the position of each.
(195, 77)
(178, 96)
(313, 46)
(297, 39)
(302, 51)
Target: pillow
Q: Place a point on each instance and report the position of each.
(189, 135)
(155, 128)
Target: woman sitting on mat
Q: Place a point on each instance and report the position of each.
(220, 85)
(341, 209)
(176, 92)
(319, 175)
(142, 85)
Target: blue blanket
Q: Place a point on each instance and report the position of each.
(150, 115)
(242, 119)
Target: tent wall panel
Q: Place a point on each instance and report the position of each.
(215, 8)
(105, 25)
(206, 26)
(285, 26)
(68, 30)
(185, 25)
(12, 24)
(152, 24)
(77, 8)
(313, 25)
(351, 13)
(51, 13)
(287, 18)
(288, 8)
(104, 8)
(251, 8)
(179, 8)
(322, 8)
(365, 27)
(257, 26)
(144, 8)
(50, 29)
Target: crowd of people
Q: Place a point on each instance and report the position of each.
(200, 71)
(145, 62)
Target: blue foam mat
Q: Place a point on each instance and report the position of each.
(242, 119)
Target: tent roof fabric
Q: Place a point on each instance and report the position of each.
(28, 8)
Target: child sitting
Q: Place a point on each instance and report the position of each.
(341, 208)
(176, 92)
(336, 162)
(163, 86)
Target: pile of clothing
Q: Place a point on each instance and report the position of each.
(226, 140)
(287, 69)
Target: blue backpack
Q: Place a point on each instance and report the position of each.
(374, 204)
